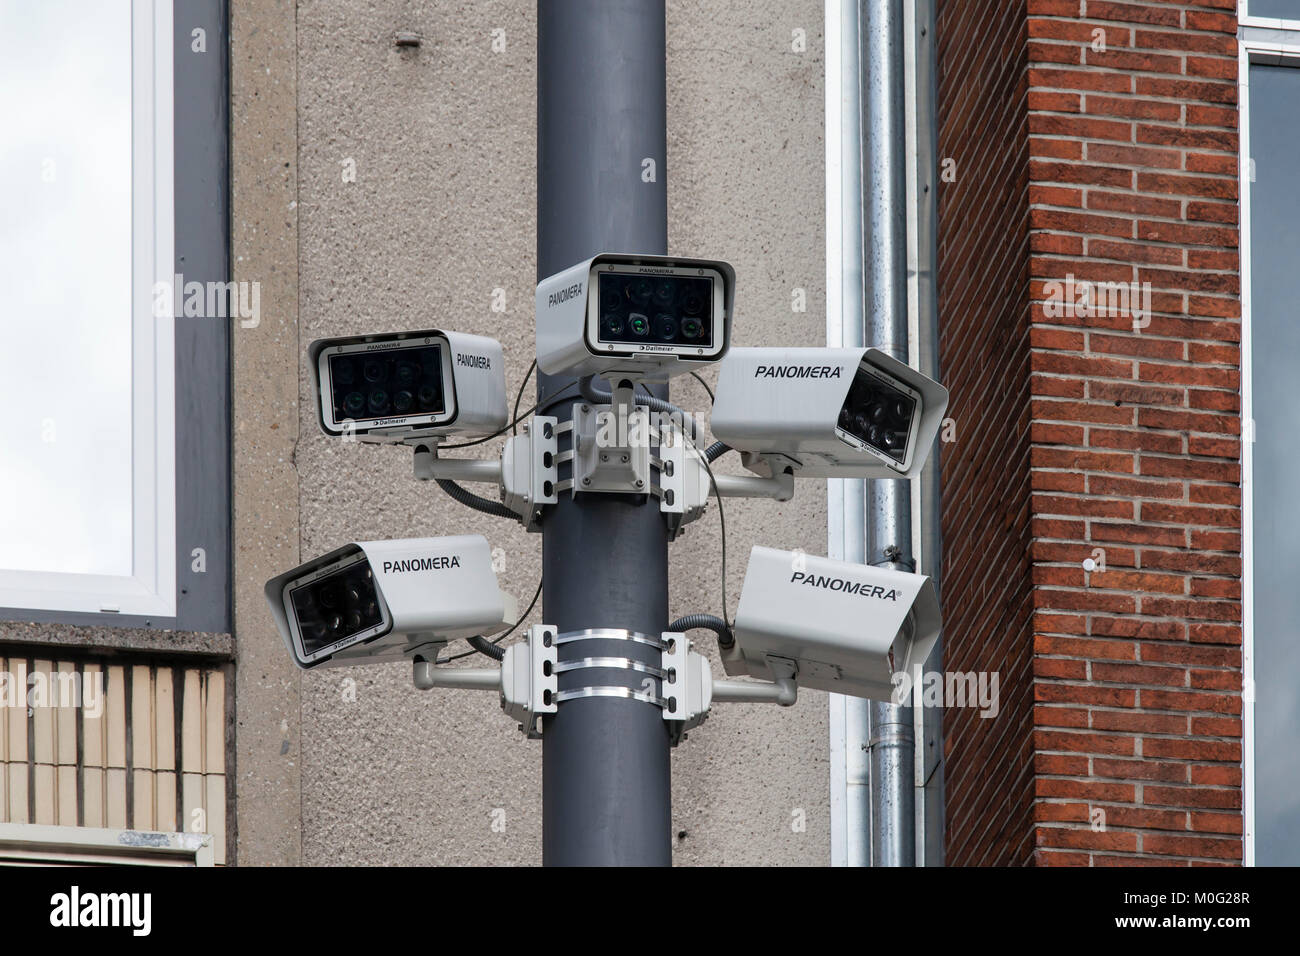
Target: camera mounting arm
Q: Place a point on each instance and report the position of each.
(430, 467)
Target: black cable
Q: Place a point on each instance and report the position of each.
(722, 520)
(708, 622)
(513, 424)
(484, 646)
(471, 500)
(514, 430)
(716, 450)
(500, 637)
(699, 378)
(496, 434)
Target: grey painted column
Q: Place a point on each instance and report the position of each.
(600, 116)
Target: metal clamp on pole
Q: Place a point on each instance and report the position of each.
(687, 685)
(611, 446)
(530, 470)
(528, 679)
(683, 479)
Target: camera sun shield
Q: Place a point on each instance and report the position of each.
(846, 628)
(832, 413)
(373, 601)
(645, 318)
(409, 386)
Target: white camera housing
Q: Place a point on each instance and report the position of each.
(814, 406)
(390, 597)
(638, 317)
(409, 386)
(844, 628)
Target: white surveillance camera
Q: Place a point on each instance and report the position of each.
(833, 413)
(835, 626)
(409, 386)
(374, 601)
(643, 318)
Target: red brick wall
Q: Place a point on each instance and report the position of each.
(1131, 176)
(984, 358)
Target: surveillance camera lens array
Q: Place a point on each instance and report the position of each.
(660, 310)
(878, 414)
(385, 384)
(336, 606)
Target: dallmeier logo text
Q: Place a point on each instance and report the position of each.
(422, 564)
(798, 371)
(131, 910)
(843, 586)
(564, 295)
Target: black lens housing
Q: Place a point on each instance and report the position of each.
(413, 371)
(878, 414)
(336, 606)
(658, 305)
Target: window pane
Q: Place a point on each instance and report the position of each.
(1286, 9)
(65, 266)
(1275, 357)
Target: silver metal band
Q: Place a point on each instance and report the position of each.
(625, 663)
(626, 692)
(609, 634)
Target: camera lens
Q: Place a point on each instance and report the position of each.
(691, 328)
(355, 403)
(610, 299)
(428, 396)
(344, 373)
(665, 327)
(614, 325)
(407, 374)
(638, 323)
(900, 412)
(334, 624)
(692, 303)
(378, 400)
(403, 401)
(877, 413)
(665, 293)
(374, 371)
(331, 596)
(640, 290)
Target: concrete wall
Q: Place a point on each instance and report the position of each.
(441, 214)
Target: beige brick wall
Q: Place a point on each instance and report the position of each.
(111, 744)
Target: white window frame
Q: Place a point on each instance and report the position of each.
(34, 844)
(151, 587)
(1272, 42)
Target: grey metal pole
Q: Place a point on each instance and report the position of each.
(600, 116)
(889, 502)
